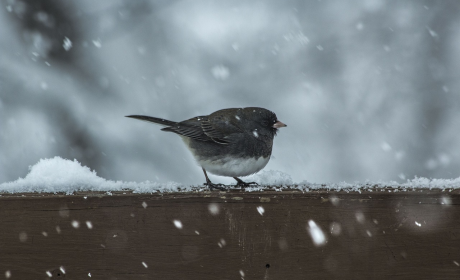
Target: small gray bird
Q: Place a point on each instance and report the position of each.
(231, 142)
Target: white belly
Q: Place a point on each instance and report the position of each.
(234, 167)
(230, 167)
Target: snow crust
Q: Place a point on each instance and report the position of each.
(61, 175)
(58, 175)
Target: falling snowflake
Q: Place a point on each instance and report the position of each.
(316, 233)
(213, 208)
(67, 44)
(75, 224)
(261, 210)
(97, 43)
(178, 224)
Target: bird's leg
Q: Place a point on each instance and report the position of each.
(242, 183)
(212, 185)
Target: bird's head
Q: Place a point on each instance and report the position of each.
(263, 122)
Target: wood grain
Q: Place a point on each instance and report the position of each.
(224, 235)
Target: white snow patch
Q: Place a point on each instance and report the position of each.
(45, 234)
(61, 175)
(241, 273)
(89, 224)
(89, 274)
(62, 269)
(49, 274)
(418, 224)
(255, 134)
(178, 224)
(144, 204)
(317, 235)
(7, 274)
(58, 175)
(238, 118)
(271, 177)
(144, 264)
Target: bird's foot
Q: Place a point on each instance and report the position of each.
(243, 184)
(212, 186)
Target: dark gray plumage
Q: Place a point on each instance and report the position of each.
(230, 142)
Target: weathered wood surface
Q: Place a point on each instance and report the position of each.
(383, 235)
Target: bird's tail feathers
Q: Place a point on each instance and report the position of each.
(159, 121)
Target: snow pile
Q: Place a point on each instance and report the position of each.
(270, 177)
(59, 175)
(433, 183)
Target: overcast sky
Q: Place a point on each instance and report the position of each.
(369, 89)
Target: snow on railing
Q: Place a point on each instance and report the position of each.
(58, 175)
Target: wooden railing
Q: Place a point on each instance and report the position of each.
(289, 234)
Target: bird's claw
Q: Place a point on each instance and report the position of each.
(212, 186)
(243, 184)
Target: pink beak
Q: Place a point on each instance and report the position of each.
(278, 124)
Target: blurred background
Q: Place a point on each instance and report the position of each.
(369, 89)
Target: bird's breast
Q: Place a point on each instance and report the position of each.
(224, 160)
(233, 167)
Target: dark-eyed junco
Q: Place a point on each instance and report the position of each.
(230, 142)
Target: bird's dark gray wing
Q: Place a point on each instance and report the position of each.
(215, 134)
(202, 128)
(189, 128)
(197, 128)
(221, 127)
